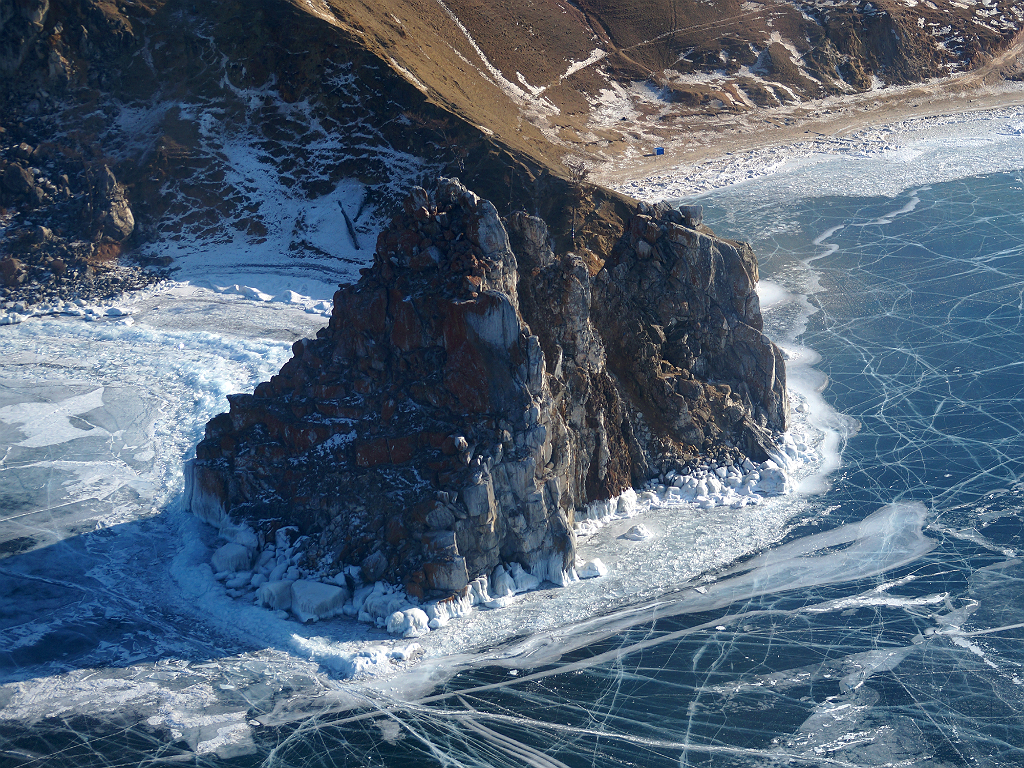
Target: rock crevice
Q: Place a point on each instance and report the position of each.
(474, 389)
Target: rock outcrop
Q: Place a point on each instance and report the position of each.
(474, 389)
(74, 255)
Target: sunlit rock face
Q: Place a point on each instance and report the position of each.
(474, 388)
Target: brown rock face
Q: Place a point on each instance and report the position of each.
(470, 393)
(12, 271)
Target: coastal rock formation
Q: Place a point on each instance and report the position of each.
(474, 389)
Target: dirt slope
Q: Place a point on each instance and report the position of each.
(552, 77)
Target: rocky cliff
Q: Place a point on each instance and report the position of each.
(474, 389)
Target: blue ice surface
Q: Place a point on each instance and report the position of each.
(883, 628)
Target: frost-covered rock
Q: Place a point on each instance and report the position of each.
(239, 580)
(524, 580)
(231, 557)
(275, 595)
(502, 584)
(313, 600)
(626, 504)
(277, 573)
(773, 479)
(638, 532)
(441, 612)
(478, 590)
(382, 600)
(593, 569)
(408, 623)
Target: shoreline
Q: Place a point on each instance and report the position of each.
(893, 142)
(706, 144)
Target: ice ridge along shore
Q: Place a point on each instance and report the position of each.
(472, 392)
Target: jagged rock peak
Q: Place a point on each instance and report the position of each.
(474, 389)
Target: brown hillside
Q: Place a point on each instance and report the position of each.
(554, 77)
(320, 94)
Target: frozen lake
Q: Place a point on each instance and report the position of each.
(875, 618)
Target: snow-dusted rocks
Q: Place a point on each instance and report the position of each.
(503, 584)
(275, 595)
(279, 585)
(773, 480)
(524, 580)
(308, 597)
(408, 623)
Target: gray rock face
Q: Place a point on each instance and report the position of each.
(113, 216)
(656, 357)
(474, 389)
(21, 25)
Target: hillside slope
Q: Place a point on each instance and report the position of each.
(202, 135)
(595, 76)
